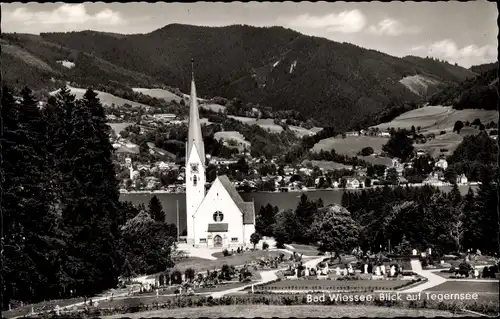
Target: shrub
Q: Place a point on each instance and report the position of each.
(225, 252)
(265, 245)
(176, 277)
(442, 132)
(190, 273)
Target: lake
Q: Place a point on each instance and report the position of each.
(282, 200)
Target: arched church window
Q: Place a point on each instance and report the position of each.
(218, 216)
(195, 180)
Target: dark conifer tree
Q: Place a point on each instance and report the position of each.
(156, 209)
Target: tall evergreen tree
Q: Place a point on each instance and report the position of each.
(92, 213)
(156, 209)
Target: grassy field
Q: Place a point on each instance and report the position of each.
(431, 119)
(307, 250)
(106, 98)
(350, 145)
(213, 107)
(118, 127)
(159, 94)
(438, 118)
(417, 83)
(234, 135)
(467, 286)
(377, 160)
(302, 311)
(269, 124)
(200, 264)
(327, 165)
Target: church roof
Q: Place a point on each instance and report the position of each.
(247, 208)
(195, 138)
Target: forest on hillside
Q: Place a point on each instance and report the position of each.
(479, 92)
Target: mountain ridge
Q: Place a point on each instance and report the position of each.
(334, 83)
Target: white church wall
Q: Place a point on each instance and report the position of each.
(194, 194)
(218, 199)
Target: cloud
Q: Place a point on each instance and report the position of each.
(392, 27)
(468, 55)
(345, 22)
(66, 14)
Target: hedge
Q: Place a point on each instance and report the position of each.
(487, 307)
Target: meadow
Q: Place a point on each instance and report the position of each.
(350, 145)
(433, 119)
(159, 94)
(233, 135)
(430, 119)
(106, 98)
(118, 127)
(268, 124)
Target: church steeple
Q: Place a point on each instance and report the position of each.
(195, 138)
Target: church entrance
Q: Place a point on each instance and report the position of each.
(217, 241)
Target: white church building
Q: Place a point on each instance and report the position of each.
(219, 218)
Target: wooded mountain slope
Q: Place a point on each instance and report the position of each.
(480, 92)
(336, 83)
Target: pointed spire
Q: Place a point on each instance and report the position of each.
(195, 138)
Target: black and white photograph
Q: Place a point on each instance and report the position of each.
(249, 159)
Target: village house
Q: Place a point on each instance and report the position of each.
(353, 133)
(383, 134)
(462, 179)
(442, 163)
(435, 179)
(352, 182)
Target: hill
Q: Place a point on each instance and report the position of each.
(484, 67)
(281, 68)
(30, 60)
(479, 92)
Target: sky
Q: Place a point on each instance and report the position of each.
(459, 32)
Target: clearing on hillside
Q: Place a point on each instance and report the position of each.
(438, 118)
(275, 128)
(159, 94)
(106, 98)
(118, 127)
(213, 107)
(327, 165)
(26, 57)
(233, 135)
(418, 84)
(350, 145)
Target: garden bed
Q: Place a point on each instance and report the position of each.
(344, 285)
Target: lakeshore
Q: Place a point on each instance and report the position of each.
(284, 200)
